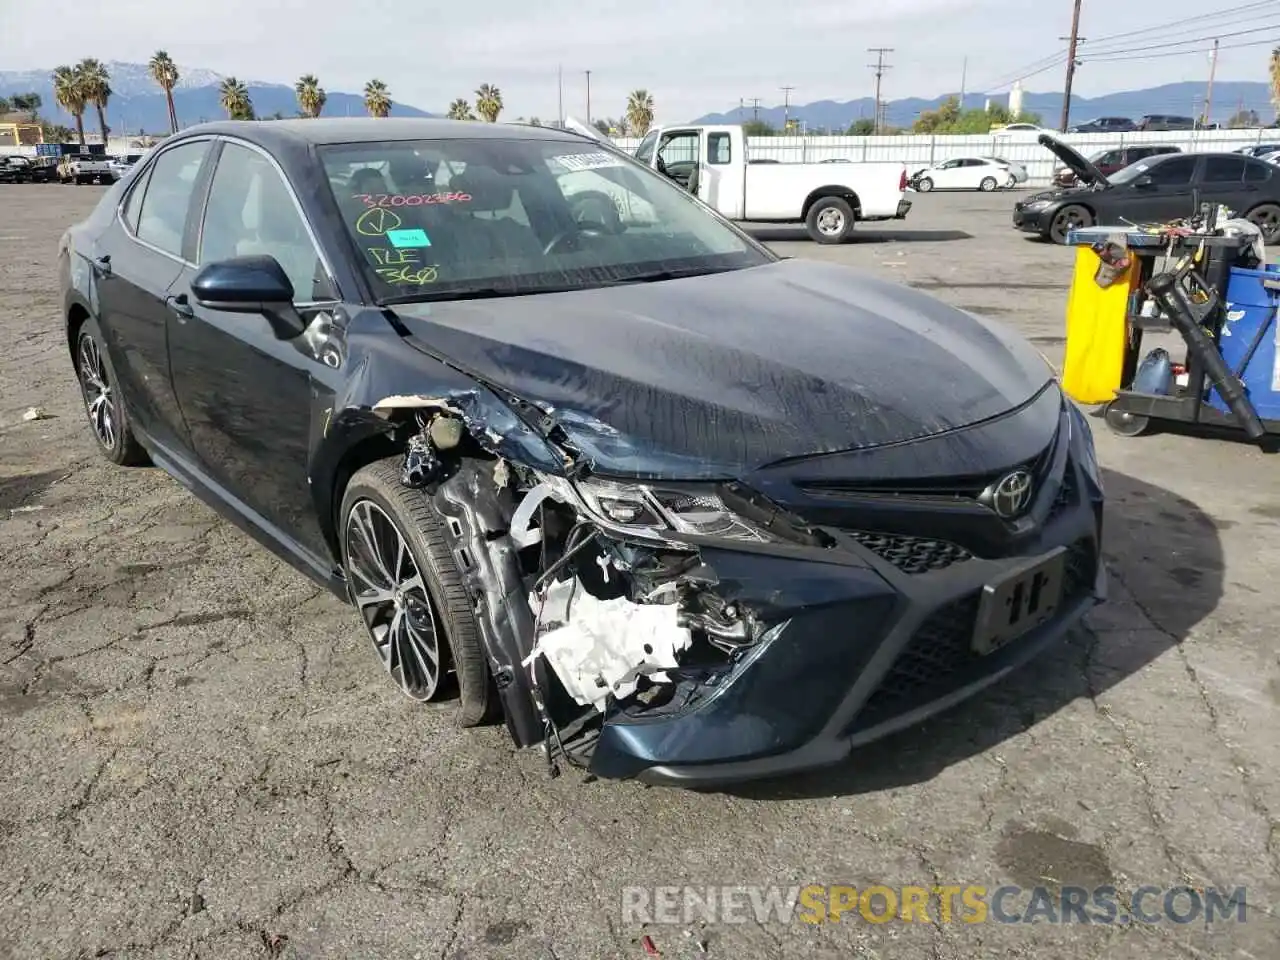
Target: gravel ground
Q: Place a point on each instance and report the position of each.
(201, 757)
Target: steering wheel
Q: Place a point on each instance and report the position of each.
(589, 227)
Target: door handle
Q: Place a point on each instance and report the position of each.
(179, 306)
(102, 265)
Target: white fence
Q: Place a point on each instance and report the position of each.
(918, 151)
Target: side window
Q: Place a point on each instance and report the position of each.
(1224, 170)
(1257, 172)
(163, 217)
(1173, 173)
(1115, 156)
(719, 148)
(133, 205)
(644, 152)
(679, 148)
(250, 211)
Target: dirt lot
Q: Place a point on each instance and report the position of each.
(201, 757)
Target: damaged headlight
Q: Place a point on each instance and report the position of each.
(654, 512)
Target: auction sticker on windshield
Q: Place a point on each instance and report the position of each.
(408, 238)
(584, 161)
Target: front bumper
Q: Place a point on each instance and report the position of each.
(1032, 221)
(868, 642)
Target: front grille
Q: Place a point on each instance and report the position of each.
(912, 555)
(939, 657)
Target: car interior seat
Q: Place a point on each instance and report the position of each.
(485, 225)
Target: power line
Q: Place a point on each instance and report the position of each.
(1183, 53)
(1125, 48)
(879, 67)
(1229, 12)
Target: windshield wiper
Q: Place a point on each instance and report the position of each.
(469, 293)
(658, 275)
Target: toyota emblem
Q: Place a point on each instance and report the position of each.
(1011, 494)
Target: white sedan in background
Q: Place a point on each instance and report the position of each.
(966, 173)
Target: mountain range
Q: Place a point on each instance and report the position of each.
(1183, 99)
(138, 105)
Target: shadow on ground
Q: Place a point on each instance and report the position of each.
(1163, 554)
(766, 233)
(16, 491)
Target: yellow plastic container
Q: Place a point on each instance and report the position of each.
(1097, 331)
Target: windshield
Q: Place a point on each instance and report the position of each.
(447, 219)
(1132, 172)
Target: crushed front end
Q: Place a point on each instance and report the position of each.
(695, 633)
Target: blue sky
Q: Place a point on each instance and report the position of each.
(694, 57)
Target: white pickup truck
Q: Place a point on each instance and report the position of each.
(85, 168)
(828, 198)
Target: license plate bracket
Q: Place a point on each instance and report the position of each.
(1019, 603)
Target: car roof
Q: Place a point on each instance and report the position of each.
(332, 130)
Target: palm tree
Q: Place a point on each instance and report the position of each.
(377, 99)
(69, 92)
(97, 89)
(311, 95)
(1275, 79)
(488, 102)
(460, 110)
(639, 112)
(165, 73)
(234, 97)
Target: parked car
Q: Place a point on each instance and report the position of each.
(1017, 171)
(1260, 149)
(712, 162)
(1017, 128)
(633, 488)
(1165, 121)
(28, 169)
(1110, 161)
(85, 168)
(1155, 190)
(963, 173)
(120, 166)
(1104, 125)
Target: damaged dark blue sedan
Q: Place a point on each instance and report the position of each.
(581, 453)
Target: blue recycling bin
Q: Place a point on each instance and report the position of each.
(1251, 325)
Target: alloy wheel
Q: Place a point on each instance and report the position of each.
(1267, 219)
(389, 591)
(96, 388)
(831, 222)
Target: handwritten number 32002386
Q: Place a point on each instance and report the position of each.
(409, 199)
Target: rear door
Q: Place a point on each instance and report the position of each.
(252, 402)
(148, 246)
(1223, 181)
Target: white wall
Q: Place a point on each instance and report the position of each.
(923, 150)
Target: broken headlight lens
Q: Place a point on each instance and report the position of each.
(654, 512)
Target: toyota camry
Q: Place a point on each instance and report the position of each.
(581, 454)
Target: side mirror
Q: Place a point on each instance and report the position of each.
(1144, 181)
(254, 284)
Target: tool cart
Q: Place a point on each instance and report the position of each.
(1209, 286)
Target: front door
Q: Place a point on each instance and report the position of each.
(721, 183)
(146, 244)
(255, 403)
(678, 152)
(1167, 196)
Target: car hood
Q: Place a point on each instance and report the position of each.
(720, 374)
(1082, 168)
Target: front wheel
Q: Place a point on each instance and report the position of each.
(1266, 217)
(924, 186)
(1071, 217)
(988, 184)
(830, 220)
(404, 581)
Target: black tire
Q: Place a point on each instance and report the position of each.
(1071, 217)
(988, 184)
(925, 185)
(1267, 218)
(417, 521)
(118, 444)
(830, 220)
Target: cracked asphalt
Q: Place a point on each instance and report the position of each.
(201, 758)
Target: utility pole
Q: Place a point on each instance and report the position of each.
(755, 109)
(1074, 39)
(879, 67)
(588, 73)
(964, 81)
(560, 92)
(1213, 70)
(786, 107)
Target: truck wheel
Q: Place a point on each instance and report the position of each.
(830, 220)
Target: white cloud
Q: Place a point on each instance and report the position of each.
(694, 57)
